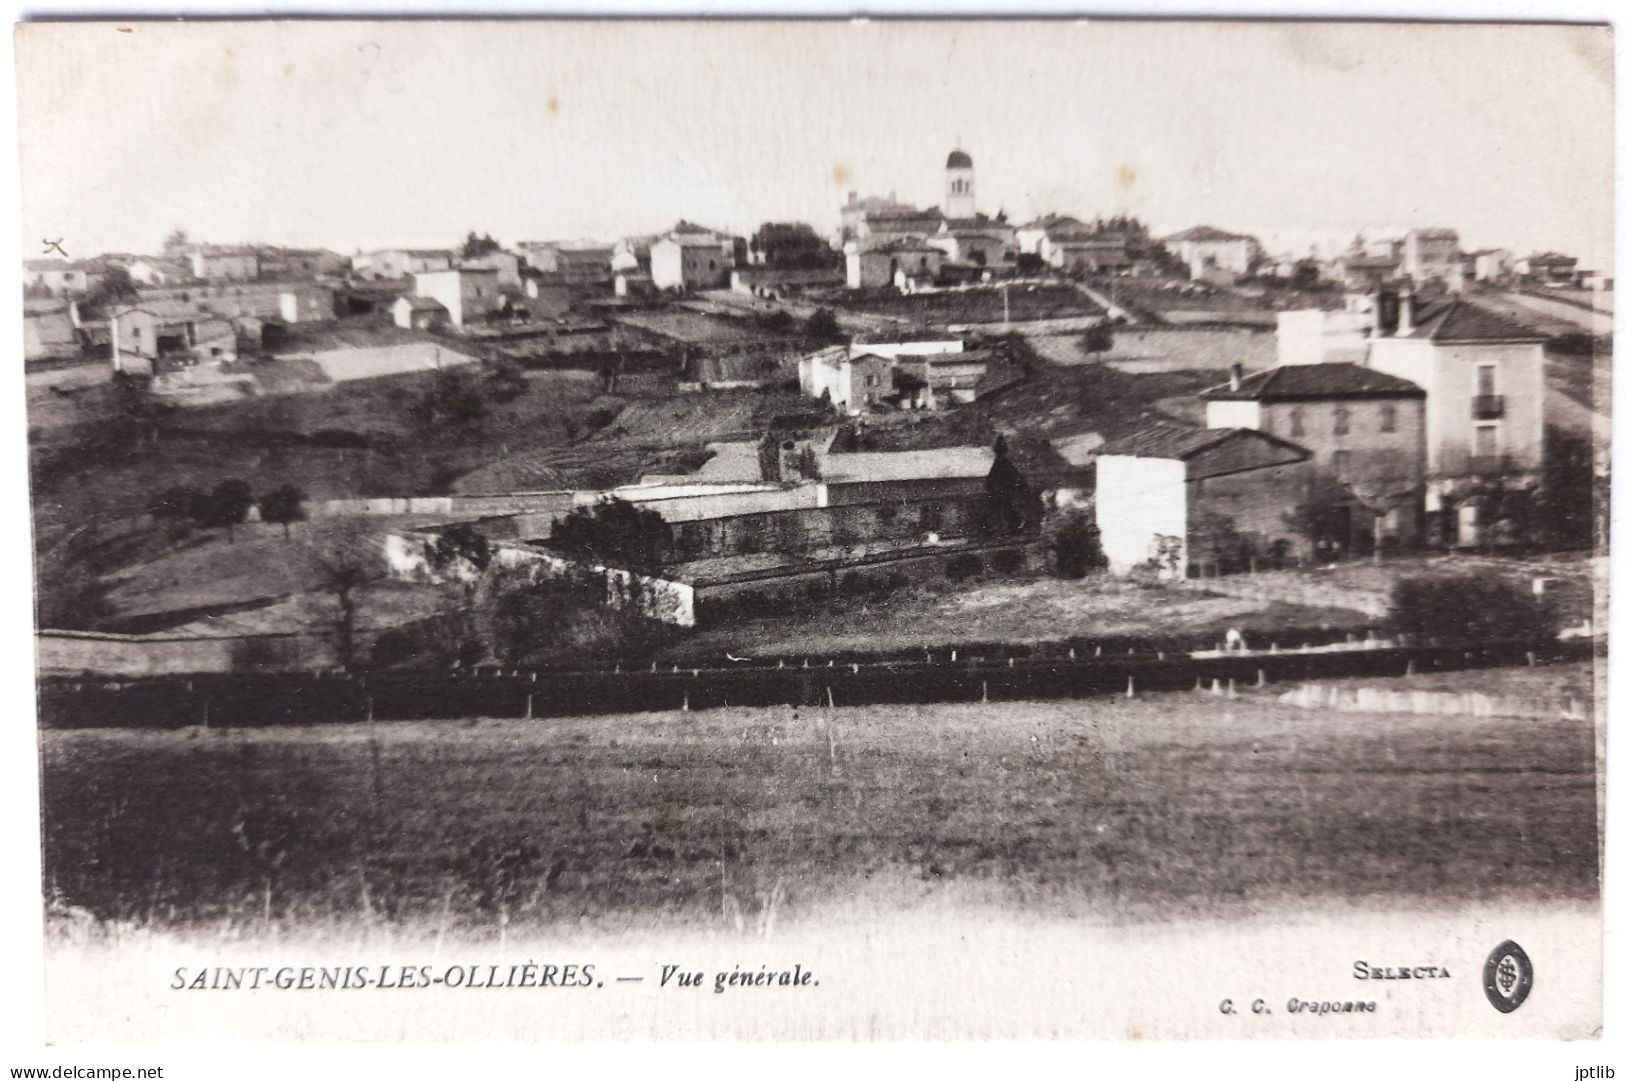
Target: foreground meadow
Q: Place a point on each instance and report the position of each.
(1110, 811)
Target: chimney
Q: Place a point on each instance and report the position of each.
(851, 197)
(1235, 377)
(1407, 313)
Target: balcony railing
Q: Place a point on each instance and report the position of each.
(1488, 406)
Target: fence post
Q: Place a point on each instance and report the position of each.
(984, 690)
(1130, 693)
(528, 703)
(205, 712)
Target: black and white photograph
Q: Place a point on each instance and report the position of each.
(817, 530)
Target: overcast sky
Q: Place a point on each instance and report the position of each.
(358, 135)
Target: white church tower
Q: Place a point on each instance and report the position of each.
(960, 200)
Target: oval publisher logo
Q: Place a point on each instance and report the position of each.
(1508, 976)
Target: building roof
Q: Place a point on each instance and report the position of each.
(694, 240)
(1434, 234)
(946, 463)
(1204, 232)
(422, 304)
(1298, 382)
(1181, 442)
(958, 159)
(1552, 258)
(1358, 261)
(1047, 222)
(1459, 321)
(60, 264)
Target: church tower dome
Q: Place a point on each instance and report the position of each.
(959, 199)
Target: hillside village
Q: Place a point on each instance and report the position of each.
(731, 438)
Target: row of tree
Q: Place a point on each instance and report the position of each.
(226, 506)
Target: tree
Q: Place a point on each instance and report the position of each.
(613, 531)
(1099, 338)
(1075, 540)
(1007, 493)
(822, 326)
(346, 561)
(460, 545)
(1305, 274)
(284, 505)
(1029, 263)
(454, 400)
(476, 245)
(116, 287)
(793, 246)
(227, 506)
(177, 241)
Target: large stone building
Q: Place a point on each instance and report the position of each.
(1484, 376)
(1210, 252)
(1367, 430)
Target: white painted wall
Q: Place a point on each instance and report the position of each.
(1136, 499)
(1229, 414)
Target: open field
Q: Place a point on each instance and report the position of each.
(1556, 684)
(1030, 610)
(1140, 350)
(1109, 811)
(102, 467)
(1026, 302)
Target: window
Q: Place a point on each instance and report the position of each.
(1485, 380)
(1340, 463)
(1390, 416)
(1487, 440)
(1340, 420)
(1296, 418)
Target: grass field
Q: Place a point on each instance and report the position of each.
(1031, 610)
(1109, 811)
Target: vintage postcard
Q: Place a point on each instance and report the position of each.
(818, 530)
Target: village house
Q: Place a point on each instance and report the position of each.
(1484, 377)
(154, 339)
(575, 260)
(49, 330)
(506, 264)
(1366, 429)
(1547, 268)
(885, 218)
(854, 382)
(469, 294)
(899, 263)
(1318, 336)
(418, 313)
(977, 240)
(145, 270)
(1181, 500)
(1492, 266)
(212, 262)
(1031, 238)
(62, 277)
(691, 261)
(1212, 253)
(302, 263)
(401, 262)
(1361, 272)
(1431, 255)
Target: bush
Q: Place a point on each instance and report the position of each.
(962, 567)
(1075, 539)
(1466, 607)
